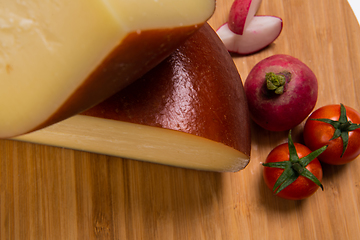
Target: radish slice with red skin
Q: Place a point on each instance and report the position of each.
(262, 31)
(241, 14)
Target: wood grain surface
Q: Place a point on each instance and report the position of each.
(54, 193)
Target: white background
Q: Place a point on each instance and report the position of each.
(355, 4)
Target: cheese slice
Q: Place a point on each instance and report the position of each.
(140, 142)
(60, 57)
(190, 111)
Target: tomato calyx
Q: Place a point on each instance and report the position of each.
(294, 167)
(342, 127)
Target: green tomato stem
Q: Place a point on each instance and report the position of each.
(298, 168)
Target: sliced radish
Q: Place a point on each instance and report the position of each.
(261, 32)
(241, 14)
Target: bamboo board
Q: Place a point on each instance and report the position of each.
(54, 193)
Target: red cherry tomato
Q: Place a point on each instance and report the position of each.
(318, 133)
(302, 187)
(292, 170)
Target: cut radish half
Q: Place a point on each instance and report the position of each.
(261, 32)
(241, 14)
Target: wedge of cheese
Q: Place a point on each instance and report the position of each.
(190, 111)
(58, 58)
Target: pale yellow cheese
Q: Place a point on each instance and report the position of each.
(140, 142)
(47, 48)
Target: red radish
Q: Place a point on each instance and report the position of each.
(241, 14)
(281, 92)
(261, 32)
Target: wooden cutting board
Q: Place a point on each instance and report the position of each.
(55, 193)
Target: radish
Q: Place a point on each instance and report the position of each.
(241, 14)
(261, 32)
(281, 92)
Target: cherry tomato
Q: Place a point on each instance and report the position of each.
(321, 126)
(304, 171)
